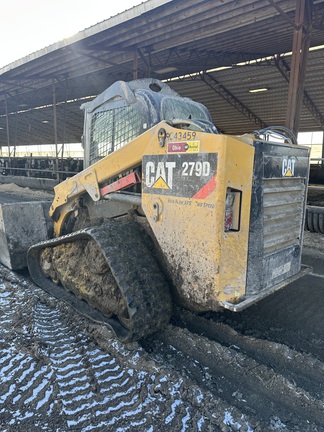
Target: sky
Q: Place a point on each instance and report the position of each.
(29, 25)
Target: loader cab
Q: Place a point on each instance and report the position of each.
(126, 110)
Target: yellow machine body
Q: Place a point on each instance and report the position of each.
(169, 210)
(184, 188)
(185, 185)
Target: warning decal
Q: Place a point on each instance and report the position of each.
(182, 175)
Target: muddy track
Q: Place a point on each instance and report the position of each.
(257, 376)
(62, 372)
(267, 361)
(261, 370)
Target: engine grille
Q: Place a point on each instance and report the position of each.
(277, 214)
(283, 201)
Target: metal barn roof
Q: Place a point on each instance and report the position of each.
(188, 43)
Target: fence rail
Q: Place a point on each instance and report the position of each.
(40, 167)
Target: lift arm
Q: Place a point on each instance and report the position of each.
(68, 193)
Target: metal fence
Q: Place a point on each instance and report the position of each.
(40, 167)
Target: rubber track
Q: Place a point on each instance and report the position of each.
(315, 219)
(136, 272)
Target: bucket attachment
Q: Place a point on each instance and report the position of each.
(22, 225)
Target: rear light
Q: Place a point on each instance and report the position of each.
(232, 210)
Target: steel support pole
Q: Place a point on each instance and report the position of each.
(135, 66)
(8, 132)
(301, 42)
(322, 161)
(55, 130)
(64, 122)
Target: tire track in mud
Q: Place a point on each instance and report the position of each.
(60, 372)
(294, 316)
(283, 387)
(303, 369)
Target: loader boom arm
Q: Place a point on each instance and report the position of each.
(90, 180)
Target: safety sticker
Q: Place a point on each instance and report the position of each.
(184, 147)
(185, 175)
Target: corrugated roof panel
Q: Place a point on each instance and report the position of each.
(182, 36)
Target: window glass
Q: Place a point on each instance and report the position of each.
(112, 129)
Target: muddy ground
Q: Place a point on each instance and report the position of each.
(12, 193)
(258, 370)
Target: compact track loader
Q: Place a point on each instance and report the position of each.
(169, 211)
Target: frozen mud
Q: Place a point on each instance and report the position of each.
(216, 372)
(60, 372)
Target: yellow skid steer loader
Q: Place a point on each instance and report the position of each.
(166, 211)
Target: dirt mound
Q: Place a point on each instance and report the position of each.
(13, 189)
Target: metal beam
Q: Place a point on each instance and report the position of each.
(85, 53)
(197, 60)
(283, 13)
(301, 42)
(230, 98)
(284, 69)
(135, 66)
(318, 21)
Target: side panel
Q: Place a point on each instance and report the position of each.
(184, 198)
(238, 174)
(277, 215)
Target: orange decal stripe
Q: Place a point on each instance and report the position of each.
(207, 189)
